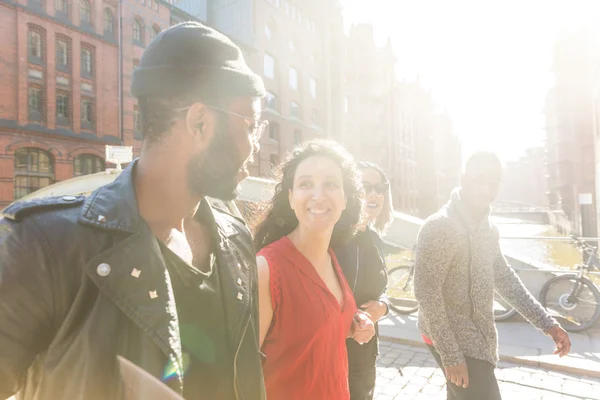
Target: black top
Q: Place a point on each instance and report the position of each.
(363, 263)
(208, 358)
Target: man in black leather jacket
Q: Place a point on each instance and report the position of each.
(145, 268)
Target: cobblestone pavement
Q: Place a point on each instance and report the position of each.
(422, 379)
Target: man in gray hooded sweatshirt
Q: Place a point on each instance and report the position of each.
(458, 266)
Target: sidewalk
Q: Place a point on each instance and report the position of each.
(520, 343)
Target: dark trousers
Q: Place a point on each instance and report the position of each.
(362, 383)
(362, 362)
(482, 381)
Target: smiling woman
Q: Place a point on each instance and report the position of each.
(306, 307)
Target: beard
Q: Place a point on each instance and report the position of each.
(214, 171)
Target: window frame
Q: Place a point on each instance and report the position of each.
(32, 173)
(266, 57)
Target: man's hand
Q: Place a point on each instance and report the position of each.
(561, 338)
(362, 329)
(375, 309)
(458, 374)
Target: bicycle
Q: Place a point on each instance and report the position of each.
(577, 299)
(402, 299)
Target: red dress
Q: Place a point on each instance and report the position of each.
(305, 346)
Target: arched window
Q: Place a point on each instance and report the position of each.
(86, 164)
(85, 12)
(109, 23)
(34, 170)
(138, 30)
(155, 31)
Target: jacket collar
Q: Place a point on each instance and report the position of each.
(464, 214)
(114, 206)
(132, 272)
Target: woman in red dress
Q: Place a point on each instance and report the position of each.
(306, 307)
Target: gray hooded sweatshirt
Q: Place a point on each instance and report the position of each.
(458, 266)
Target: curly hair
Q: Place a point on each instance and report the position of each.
(280, 219)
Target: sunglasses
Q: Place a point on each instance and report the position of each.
(380, 188)
(256, 128)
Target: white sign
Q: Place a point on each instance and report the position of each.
(585, 198)
(119, 155)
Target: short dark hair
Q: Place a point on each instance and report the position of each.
(482, 158)
(159, 114)
(280, 219)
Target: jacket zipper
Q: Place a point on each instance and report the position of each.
(237, 352)
(471, 297)
(356, 272)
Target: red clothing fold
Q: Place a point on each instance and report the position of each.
(305, 347)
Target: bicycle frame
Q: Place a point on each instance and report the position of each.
(591, 263)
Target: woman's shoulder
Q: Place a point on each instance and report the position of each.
(280, 251)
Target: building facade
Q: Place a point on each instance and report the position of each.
(570, 133)
(523, 180)
(66, 69)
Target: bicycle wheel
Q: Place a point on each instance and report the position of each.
(577, 315)
(502, 310)
(400, 290)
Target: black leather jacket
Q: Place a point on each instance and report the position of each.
(363, 262)
(82, 280)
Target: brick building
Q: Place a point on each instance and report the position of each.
(66, 67)
(64, 82)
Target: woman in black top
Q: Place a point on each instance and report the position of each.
(363, 263)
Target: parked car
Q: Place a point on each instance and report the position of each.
(251, 190)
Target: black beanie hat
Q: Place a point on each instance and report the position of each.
(190, 58)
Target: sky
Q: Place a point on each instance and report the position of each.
(488, 63)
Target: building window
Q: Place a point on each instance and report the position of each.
(85, 12)
(269, 67)
(286, 7)
(109, 24)
(292, 46)
(313, 88)
(62, 54)
(86, 164)
(268, 32)
(271, 101)
(87, 114)
(62, 109)
(155, 31)
(62, 8)
(137, 122)
(293, 78)
(274, 131)
(293, 12)
(35, 45)
(315, 117)
(33, 171)
(138, 29)
(35, 102)
(295, 110)
(87, 62)
(297, 137)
